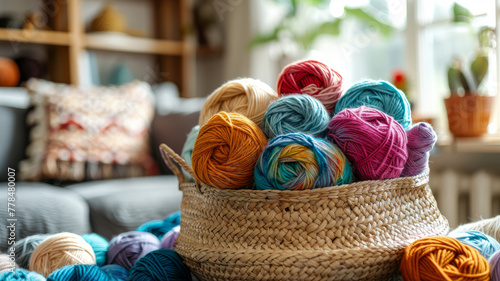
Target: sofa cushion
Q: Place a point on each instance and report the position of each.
(117, 206)
(41, 208)
(89, 133)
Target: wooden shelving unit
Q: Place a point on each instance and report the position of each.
(172, 45)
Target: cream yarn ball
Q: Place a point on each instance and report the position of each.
(246, 96)
(60, 250)
(6, 263)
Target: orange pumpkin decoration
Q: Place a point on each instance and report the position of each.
(9, 73)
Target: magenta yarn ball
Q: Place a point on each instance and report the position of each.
(374, 143)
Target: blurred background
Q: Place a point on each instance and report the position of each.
(191, 47)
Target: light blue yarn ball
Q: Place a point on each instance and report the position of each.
(100, 246)
(187, 150)
(21, 274)
(296, 114)
(80, 272)
(160, 227)
(378, 94)
(25, 247)
(485, 244)
(118, 272)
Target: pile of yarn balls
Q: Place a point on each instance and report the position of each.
(461, 255)
(145, 254)
(307, 135)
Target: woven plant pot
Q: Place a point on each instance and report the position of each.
(349, 232)
(469, 115)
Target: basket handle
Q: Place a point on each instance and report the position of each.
(175, 163)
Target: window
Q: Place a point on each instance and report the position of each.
(424, 41)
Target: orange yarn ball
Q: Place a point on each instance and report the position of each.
(9, 73)
(226, 151)
(443, 258)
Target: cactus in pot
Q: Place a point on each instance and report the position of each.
(457, 80)
(469, 114)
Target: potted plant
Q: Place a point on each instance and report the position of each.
(468, 111)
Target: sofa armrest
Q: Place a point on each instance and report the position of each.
(171, 129)
(14, 103)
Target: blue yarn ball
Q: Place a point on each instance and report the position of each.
(160, 227)
(162, 264)
(21, 274)
(298, 161)
(378, 94)
(100, 246)
(25, 247)
(80, 272)
(485, 244)
(118, 272)
(295, 114)
(187, 149)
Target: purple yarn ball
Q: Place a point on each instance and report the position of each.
(167, 242)
(494, 261)
(127, 248)
(421, 140)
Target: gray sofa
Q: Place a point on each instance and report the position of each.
(106, 207)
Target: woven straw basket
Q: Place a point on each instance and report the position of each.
(349, 232)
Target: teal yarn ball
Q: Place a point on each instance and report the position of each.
(21, 274)
(159, 265)
(25, 247)
(116, 271)
(378, 94)
(122, 74)
(485, 244)
(187, 149)
(295, 114)
(160, 227)
(100, 246)
(80, 272)
(298, 161)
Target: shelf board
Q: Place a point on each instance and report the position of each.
(125, 43)
(489, 143)
(35, 36)
(209, 51)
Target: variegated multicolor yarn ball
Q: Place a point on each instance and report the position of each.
(297, 161)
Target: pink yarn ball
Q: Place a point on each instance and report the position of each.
(373, 142)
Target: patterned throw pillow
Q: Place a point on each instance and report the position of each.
(86, 134)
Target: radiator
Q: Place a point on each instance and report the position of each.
(466, 197)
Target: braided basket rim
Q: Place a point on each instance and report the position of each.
(339, 191)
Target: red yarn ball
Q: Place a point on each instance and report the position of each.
(312, 78)
(374, 143)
